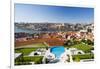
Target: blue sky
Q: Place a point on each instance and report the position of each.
(57, 14)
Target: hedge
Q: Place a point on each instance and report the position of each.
(80, 57)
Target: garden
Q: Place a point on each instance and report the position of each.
(27, 60)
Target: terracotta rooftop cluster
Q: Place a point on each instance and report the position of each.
(53, 39)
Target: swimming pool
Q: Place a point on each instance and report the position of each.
(57, 50)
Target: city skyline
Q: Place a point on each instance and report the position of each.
(30, 13)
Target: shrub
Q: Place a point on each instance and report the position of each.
(69, 43)
(89, 42)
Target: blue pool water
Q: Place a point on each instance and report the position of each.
(57, 50)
